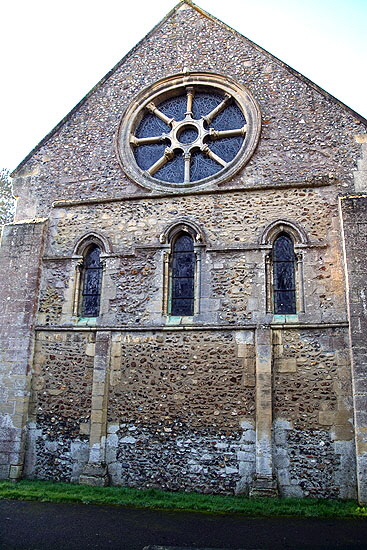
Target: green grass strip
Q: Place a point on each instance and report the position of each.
(47, 491)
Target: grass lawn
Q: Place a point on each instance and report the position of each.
(47, 491)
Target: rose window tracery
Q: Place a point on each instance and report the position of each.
(190, 132)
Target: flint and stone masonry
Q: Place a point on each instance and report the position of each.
(236, 393)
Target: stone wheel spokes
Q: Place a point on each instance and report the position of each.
(190, 133)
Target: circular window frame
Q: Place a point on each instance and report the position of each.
(174, 86)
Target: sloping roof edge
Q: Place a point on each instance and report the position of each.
(326, 94)
(131, 52)
(91, 92)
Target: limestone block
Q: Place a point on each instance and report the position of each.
(95, 432)
(343, 432)
(84, 428)
(249, 380)
(283, 477)
(15, 471)
(335, 418)
(287, 364)
(98, 404)
(90, 349)
(112, 428)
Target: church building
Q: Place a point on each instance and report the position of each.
(183, 288)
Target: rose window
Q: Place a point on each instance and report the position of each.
(188, 134)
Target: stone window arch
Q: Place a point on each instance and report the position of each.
(284, 268)
(91, 282)
(89, 276)
(182, 262)
(284, 275)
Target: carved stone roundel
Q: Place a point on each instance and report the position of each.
(188, 132)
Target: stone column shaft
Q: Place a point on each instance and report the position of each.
(264, 462)
(95, 472)
(264, 484)
(353, 212)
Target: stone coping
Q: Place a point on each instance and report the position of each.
(189, 327)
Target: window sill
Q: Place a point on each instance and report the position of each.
(87, 321)
(284, 319)
(179, 320)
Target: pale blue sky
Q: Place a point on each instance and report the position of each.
(53, 53)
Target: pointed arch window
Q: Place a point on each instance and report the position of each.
(183, 263)
(91, 282)
(284, 279)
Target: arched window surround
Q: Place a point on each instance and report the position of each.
(82, 252)
(297, 233)
(170, 238)
(284, 275)
(299, 240)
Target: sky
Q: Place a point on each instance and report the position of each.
(53, 53)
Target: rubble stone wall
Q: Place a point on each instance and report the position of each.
(313, 414)
(181, 410)
(60, 405)
(232, 267)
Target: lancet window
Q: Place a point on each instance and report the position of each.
(182, 275)
(284, 280)
(91, 282)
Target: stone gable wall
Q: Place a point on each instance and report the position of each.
(235, 394)
(302, 137)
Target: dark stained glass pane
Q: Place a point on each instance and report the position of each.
(184, 243)
(183, 288)
(188, 135)
(182, 264)
(226, 148)
(183, 273)
(147, 155)
(284, 276)
(182, 307)
(204, 103)
(92, 278)
(285, 302)
(283, 249)
(231, 117)
(175, 107)
(150, 126)
(173, 171)
(90, 305)
(201, 166)
(92, 258)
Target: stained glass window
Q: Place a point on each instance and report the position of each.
(284, 275)
(182, 275)
(91, 284)
(189, 136)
